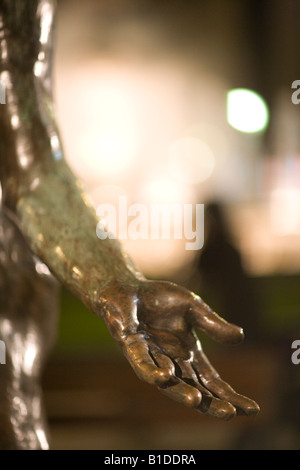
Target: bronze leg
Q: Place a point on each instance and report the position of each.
(28, 314)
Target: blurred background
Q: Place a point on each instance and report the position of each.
(188, 103)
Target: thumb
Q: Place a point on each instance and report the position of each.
(208, 321)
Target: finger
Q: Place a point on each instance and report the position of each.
(178, 389)
(208, 321)
(157, 369)
(194, 395)
(160, 358)
(183, 393)
(186, 372)
(216, 408)
(137, 352)
(209, 405)
(213, 382)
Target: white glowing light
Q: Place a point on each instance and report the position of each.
(107, 193)
(246, 111)
(191, 160)
(109, 144)
(163, 191)
(285, 215)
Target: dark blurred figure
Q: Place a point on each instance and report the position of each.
(224, 283)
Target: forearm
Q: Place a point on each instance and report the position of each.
(60, 225)
(54, 214)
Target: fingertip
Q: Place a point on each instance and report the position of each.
(193, 399)
(183, 393)
(227, 333)
(250, 409)
(215, 326)
(217, 409)
(162, 377)
(235, 334)
(226, 412)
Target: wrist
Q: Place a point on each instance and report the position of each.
(117, 305)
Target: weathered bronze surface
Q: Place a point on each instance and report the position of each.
(48, 237)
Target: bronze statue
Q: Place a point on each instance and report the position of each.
(48, 237)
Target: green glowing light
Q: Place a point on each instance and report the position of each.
(246, 111)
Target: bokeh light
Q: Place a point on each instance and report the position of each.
(246, 111)
(285, 215)
(191, 160)
(108, 144)
(162, 190)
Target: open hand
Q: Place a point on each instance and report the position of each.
(154, 323)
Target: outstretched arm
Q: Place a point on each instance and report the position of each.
(152, 321)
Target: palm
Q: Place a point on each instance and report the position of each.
(154, 323)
